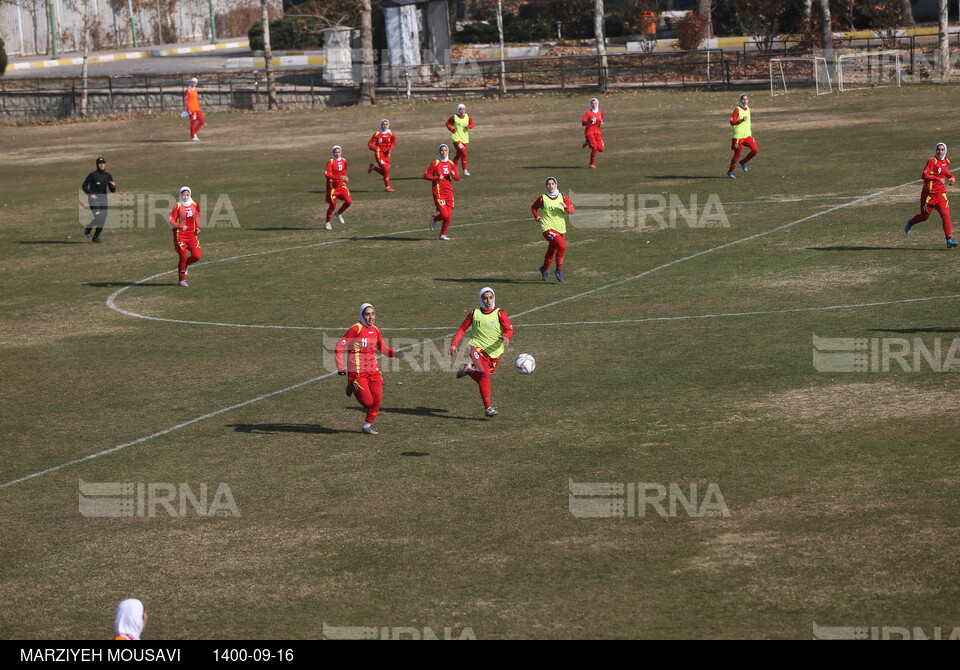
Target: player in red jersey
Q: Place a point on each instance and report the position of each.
(185, 221)
(491, 336)
(191, 98)
(442, 172)
(364, 379)
(553, 225)
(459, 125)
(936, 175)
(337, 179)
(742, 136)
(381, 144)
(592, 120)
(129, 620)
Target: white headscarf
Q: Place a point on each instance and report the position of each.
(461, 106)
(740, 100)
(944, 148)
(548, 188)
(480, 297)
(128, 619)
(441, 157)
(194, 81)
(335, 147)
(363, 320)
(188, 190)
(382, 121)
(590, 107)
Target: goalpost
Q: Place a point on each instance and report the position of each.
(868, 70)
(799, 75)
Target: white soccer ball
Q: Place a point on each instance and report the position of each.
(525, 364)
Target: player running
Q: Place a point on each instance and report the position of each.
(336, 174)
(742, 136)
(491, 335)
(191, 98)
(460, 124)
(185, 221)
(442, 172)
(591, 122)
(549, 211)
(381, 144)
(936, 175)
(364, 379)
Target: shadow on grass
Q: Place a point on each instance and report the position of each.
(858, 248)
(273, 428)
(118, 284)
(389, 238)
(49, 242)
(552, 167)
(434, 412)
(941, 329)
(481, 280)
(414, 453)
(685, 176)
(319, 226)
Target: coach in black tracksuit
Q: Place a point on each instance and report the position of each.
(95, 186)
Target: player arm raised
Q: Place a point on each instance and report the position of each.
(384, 349)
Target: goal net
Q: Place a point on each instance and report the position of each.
(799, 75)
(868, 70)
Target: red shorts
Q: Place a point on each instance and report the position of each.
(932, 200)
(444, 206)
(595, 140)
(384, 160)
(338, 192)
(479, 355)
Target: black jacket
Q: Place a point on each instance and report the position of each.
(96, 185)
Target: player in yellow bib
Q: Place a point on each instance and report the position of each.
(549, 210)
(742, 136)
(491, 335)
(460, 124)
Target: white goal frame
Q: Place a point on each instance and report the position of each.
(785, 79)
(876, 72)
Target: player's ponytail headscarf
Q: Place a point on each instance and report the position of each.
(190, 195)
(363, 319)
(459, 107)
(944, 144)
(594, 100)
(484, 290)
(335, 147)
(556, 187)
(439, 156)
(384, 121)
(128, 620)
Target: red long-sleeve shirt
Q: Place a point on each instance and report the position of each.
(185, 215)
(382, 143)
(933, 174)
(735, 119)
(335, 172)
(538, 205)
(505, 326)
(441, 173)
(592, 120)
(361, 344)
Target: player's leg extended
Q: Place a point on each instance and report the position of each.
(347, 201)
(446, 215)
(481, 375)
(751, 144)
(549, 236)
(181, 248)
(376, 397)
(943, 208)
(193, 246)
(363, 393)
(737, 147)
(561, 247)
(331, 207)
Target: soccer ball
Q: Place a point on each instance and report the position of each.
(525, 364)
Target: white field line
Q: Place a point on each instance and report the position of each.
(184, 424)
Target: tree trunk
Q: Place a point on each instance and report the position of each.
(601, 43)
(943, 47)
(826, 26)
(705, 9)
(907, 11)
(368, 75)
(503, 70)
(268, 57)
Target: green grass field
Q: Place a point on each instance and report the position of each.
(840, 487)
